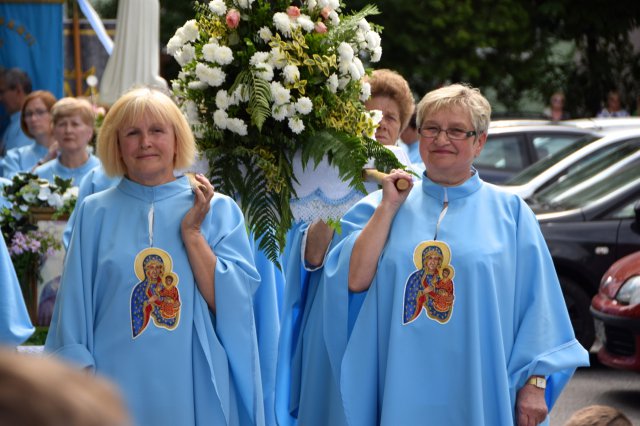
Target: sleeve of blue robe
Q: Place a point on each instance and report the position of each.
(544, 342)
(15, 325)
(236, 283)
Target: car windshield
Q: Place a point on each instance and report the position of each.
(538, 167)
(574, 192)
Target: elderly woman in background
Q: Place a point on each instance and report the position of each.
(35, 122)
(185, 351)
(463, 321)
(73, 121)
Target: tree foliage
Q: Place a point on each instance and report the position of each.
(507, 45)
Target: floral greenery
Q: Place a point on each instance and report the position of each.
(262, 80)
(27, 245)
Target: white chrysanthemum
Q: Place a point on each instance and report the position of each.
(333, 4)
(70, 193)
(220, 119)
(238, 126)
(264, 71)
(376, 116)
(291, 74)
(311, 4)
(279, 94)
(354, 71)
(175, 86)
(222, 99)
(373, 39)
(185, 54)
(377, 54)
(278, 58)
(191, 112)
(279, 112)
(334, 18)
(360, 39)
(323, 3)
(365, 91)
(174, 44)
(43, 194)
(197, 85)
(218, 7)
(296, 125)
(332, 83)
(208, 51)
(306, 23)
(345, 51)
(364, 25)
(304, 105)
(190, 31)
(343, 81)
(213, 76)
(258, 58)
(244, 4)
(343, 67)
(358, 63)
(283, 23)
(222, 55)
(55, 200)
(265, 34)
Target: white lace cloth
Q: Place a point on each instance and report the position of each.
(321, 193)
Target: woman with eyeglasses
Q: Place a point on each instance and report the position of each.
(463, 322)
(35, 122)
(73, 121)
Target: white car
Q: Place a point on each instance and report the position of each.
(576, 158)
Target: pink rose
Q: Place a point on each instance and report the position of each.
(293, 11)
(320, 28)
(325, 12)
(233, 18)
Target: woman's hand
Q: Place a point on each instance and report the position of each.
(531, 408)
(203, 193)
(391, 196)
(201, 257)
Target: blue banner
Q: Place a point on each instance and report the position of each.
(31, 39)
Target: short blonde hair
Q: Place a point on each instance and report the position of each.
(457, 95)
(388, 83)
(132, 107)
(68, 107)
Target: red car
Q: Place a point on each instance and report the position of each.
(616, 309)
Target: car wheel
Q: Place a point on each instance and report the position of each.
(578, 303)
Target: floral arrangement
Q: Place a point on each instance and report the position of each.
(26, 193)
(264, 80)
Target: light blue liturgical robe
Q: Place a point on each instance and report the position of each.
(55, 168)
(266, 299)
(199, 370)
(22, 159)
(15, 325)
(507, 319)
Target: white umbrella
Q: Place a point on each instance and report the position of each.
(135, 59)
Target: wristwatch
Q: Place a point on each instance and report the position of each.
(537, 381)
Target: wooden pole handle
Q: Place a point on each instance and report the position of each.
(373, 175)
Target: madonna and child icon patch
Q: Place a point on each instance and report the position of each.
(430, 287)
(155, 298)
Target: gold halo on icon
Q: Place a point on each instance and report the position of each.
(444, 247)
(166, 260)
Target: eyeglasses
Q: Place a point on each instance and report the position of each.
(454, 134)
(35, 113)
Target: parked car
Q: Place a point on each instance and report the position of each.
(616, 310)
(587, 231)
(513, 145)
(603, 124)
(576, 157)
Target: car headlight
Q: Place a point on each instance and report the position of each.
(629, 292)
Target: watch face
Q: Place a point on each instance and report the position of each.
(539, 382)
